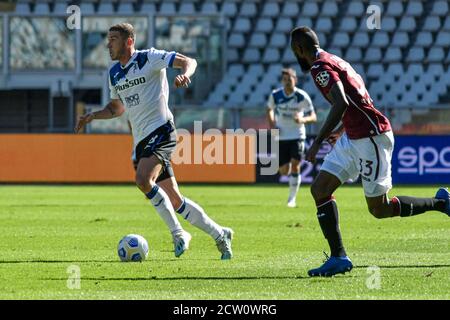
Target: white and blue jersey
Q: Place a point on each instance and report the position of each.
(142, 87)
(285, 107)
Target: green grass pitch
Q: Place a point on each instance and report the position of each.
(46, 229)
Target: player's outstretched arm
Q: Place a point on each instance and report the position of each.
(340, 104)
(270, 114)
(112, 110)
(187, 66)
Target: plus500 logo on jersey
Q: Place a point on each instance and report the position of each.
(130, 84)
(419, 159)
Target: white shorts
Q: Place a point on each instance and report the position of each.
(369, 158)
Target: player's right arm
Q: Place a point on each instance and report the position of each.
(270, 113)
(113, 109)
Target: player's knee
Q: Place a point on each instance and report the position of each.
(142, 182)
(319, 191)
(295, 167)
(378, 212)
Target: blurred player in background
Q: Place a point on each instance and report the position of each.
(363, 146)
(289, 109)
(138, 85)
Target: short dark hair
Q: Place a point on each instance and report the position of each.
(289, 71)
(126, 30)
(306, 36)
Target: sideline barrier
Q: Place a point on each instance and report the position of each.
(95, 158)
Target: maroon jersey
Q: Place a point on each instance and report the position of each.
(361, 119)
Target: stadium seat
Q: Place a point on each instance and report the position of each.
(167, 8)
(322, 39)
(353, 54)
(271, 55)
(105, 7)
(388, 24)
(60, 7)
(147, 7)
(236, 40)
(251, 55)
(264, 25)
(400, 39)
(329, 9)
(407, 24)
(284, 25)
(336, 51)
(348, 24)
(395, 70)
(232, 55)
(359, 68)
(432, 23)
(242, 25)
(248, 9)
(22, 7)
(340, 39)
(87, 8)
(278, 40)
(356, 9)
(255, 70)
(436, 54)
(229, 9)
(375, 70)
(446, 26)
(258, 40)
(323, 25)
(41, 8)
(380, 39)
(304, 21)
(440, 8)
(290, 9)
(310, 9)
(436, 69)
(288, 57)
(443, 39)
(360, 39)
(235, 70)
(393, 54)
(126, 7)
(424, 39)
(415, 69)
(414, 8)
(415, 54)
(373, 55)
(271, 9)
(209, 8)
(186, 8)
(394, 8)
(447, 59)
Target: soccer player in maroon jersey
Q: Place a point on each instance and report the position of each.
(363, 146)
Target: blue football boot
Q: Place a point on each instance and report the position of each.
(332, 266)
(443, 193)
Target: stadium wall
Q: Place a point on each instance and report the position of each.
(95, 158)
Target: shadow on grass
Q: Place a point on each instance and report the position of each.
(195, 278)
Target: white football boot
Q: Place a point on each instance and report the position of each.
(292, 203)
(181, 242)
(224, 244)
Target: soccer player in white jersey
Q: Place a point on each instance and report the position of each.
(138, 86)
(289, 109)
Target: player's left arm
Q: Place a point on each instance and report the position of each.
(187, 66)
(309, 115)
(305, 119)
(339, 102)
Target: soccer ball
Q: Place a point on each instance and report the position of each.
(132, 247)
